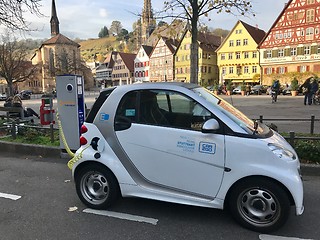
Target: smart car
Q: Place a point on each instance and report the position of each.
(179, 143)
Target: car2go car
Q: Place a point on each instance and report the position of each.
(179, 143)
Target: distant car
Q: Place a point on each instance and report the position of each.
(287, 90)
(258, 89)
(26, 92)
(237, 90)
(3, 96)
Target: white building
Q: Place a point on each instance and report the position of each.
(142, 64)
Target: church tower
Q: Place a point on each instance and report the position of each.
(54, 22)
(148, 23)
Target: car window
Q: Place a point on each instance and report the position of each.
(127, 106)
(172, 109)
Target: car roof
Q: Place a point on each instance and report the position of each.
(151, 85)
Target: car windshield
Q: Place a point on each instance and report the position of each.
(234, 114)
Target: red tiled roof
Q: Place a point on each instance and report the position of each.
(128, 59)
(256, 33)
(60, 39)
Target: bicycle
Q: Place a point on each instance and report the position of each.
(274, 96)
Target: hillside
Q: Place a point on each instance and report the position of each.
(99, 47)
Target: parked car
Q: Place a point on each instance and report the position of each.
(237, 90)
(180, 143)
(25, 94)
(3, 96)
(287, 90)
(258, 89)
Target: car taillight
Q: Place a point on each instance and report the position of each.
(83, 141)
(83, 129)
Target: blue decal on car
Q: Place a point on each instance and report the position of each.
(104, 117)
(186, 145)
(205, 147)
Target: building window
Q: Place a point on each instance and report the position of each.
(309, 33)
(209, 69)
(294, 51)
(310, 2)
(223, 56)
(310, 15)
(231, 43)
(318, 48)
(254, 69)
(230, 70)
(246, 69)
(238, 31)
(245, 42)
(246, 54)
(307, 50)
(281, 70)
(238, 55)
(302, 69)
(230, 56)
(269, 54)
(269, 70)
(223, 71)
(281, 53)
(238, 42)
(254, 54)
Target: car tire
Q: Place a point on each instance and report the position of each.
(96, 186)
(259, 204)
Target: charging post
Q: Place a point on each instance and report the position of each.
(71, 108)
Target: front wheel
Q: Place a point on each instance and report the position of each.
(96, 186)
(259, 204)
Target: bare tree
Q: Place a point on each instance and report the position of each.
(12, 11)
(14, 66)
(192, 10)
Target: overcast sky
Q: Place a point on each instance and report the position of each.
(85, 18)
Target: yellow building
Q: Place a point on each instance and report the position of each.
(208, 70)
(238, 56)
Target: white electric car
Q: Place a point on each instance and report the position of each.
(179, 143)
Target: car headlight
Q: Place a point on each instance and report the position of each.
(281, 152)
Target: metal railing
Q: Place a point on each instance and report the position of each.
(312, 120)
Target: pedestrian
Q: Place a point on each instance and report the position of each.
(248, 89)
(314, 89)
(275, 89)
(306, 90)
(28, 112)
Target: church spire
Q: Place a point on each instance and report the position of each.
(147, 21)
(54, 22)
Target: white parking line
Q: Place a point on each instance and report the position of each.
(271, 237)
(122, 216)
(9, 196)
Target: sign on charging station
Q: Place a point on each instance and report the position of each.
(71, 108)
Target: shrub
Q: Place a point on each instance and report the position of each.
(308, 150)
(294, 85)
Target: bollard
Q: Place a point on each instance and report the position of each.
(261, 119)
(312, 124)
(291, 138)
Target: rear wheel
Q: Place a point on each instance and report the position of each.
(259, 204)
(97, 187)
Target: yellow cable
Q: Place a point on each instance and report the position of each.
(75, 157)
(63, 137)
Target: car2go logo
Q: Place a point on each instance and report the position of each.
(205, 147)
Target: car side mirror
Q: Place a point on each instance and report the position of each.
(210, 126)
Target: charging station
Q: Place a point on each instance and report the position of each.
(71, 108)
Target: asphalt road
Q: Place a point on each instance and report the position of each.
(48, 208)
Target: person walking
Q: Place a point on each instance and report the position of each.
(275, 89)
(306, 90)
(314, 89)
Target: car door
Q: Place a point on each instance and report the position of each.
(166, 145)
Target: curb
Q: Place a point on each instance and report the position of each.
(30, 149)
(56, 152)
